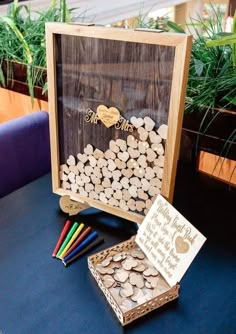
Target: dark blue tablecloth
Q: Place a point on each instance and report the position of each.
(38, 295)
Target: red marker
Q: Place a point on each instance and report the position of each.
(61, 238)
(78, 241)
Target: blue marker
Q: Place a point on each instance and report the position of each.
(83, 244)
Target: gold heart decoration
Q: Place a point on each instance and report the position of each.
(181, 245)
(108, 116)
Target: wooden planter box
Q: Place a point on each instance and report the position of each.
(95, 74)
(210, 148)
(15, 99)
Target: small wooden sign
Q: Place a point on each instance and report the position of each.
(169, 241)
(71, 207)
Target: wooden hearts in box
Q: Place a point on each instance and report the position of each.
(128, 174)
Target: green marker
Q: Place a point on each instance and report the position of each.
(69, 235)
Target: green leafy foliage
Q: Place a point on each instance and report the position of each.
(23, 39)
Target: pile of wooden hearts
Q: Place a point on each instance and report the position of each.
(127, 175)
(131, 278)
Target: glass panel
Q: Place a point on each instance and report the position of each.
(135, 78)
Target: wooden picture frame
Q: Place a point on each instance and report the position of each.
(140, 73)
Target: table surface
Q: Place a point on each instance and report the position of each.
(38, 295)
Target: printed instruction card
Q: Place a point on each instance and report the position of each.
(168, 240)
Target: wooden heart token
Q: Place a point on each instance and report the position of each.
(143, 134)
(125, 195)
(71, 160)
(133, 191)
(127, 172)
(108, 116)
(108, 192)
(142, 146)
(137, 122)
(102, 162)
(117, 194)
(133, 153)
(98, 154)
(160, 161)
(136, 280)
(64, 168)
(129, 263)
(82, 157)
(116, 185)
(109, 154)
(149, 123)
(181, 245)
(113, 147)
(80, 166)
(121, 143)
(140, 205)
(123, 205)
(103, 198)
(116, 175)
(111, 165)
(74, 169)
(108, 281)
(132, 142)
(121, 275)
(107, 261)
(65, 185)
(135, 181)
(158, 148)
(123, 156)
(137, 254)
(120, 164)
(112, 201)
(127, 290)
(88, 150)
(92, 161)
(142, 161)
(151, 155)
(74, 187)
(132, 163)
(104, 270)
(125, 182)
(88, 170)
(150, 271)
(154, 138)
(145, 184)
(139, 172)
(106, 183)
(162, 131)
(71, 207)
(138, 293)
(63, 177)
(71, 177)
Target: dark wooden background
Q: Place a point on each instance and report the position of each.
(133, 77)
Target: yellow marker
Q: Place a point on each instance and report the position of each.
(74, 236)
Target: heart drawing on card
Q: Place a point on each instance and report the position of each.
(181, 245)
(108, 116)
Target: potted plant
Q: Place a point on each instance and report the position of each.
(23, 55)
(209, 124)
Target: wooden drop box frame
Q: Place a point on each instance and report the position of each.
(64, 77)
(142, 309)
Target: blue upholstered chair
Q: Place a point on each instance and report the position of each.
(24, 151)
